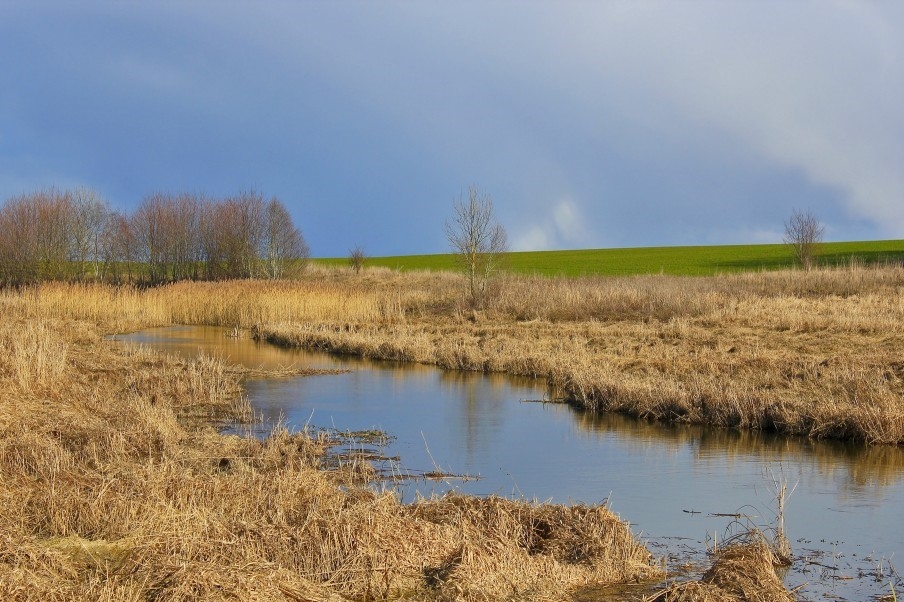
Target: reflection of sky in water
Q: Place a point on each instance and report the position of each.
(475, 424)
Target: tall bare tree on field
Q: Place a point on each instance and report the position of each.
(224, 238)
(803, 233)
(235, 234)
(55, 216)
(477, 241)
(183, 235)
(212, 233)
(251, 230)
(150, 227)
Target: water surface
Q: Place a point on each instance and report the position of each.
(844, 516)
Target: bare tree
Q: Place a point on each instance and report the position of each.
(118, 248)
(149, 227)
(183, 235)
(55, 214)
(226, 239)
(283, 247)
(477, 241)
(213, 232)
(18, 241)
(89, 216)
(54, 234)
(251, 230)
(356, 258)
(803, 233)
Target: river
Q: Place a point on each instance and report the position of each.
(675, 484)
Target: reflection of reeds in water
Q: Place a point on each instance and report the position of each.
(864, 466)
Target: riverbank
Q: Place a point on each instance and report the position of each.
(117, 485)
(812, 353)
(801, 353)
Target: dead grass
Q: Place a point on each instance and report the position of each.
(814, 353)
(116, 485)
(806, 353)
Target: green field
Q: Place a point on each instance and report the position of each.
(690, 261)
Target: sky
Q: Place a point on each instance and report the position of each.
(590, 124)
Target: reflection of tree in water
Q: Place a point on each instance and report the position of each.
(864, 467)
(484, 398)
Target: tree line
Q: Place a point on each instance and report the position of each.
(57, 234)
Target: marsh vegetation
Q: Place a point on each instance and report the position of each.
(117, 485)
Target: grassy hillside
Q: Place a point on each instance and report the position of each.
(697, 261)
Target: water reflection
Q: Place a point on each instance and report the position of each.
(860, 469)
(846, 503)
(480, 414)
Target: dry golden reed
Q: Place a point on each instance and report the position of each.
(116, 485)
(815, 353)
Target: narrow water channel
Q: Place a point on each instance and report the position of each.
(844, 514)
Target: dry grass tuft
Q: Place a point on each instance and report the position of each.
(531, 550)
(742, 572)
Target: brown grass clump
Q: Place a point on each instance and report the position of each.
(115, 484)
(742, 572)
(530, 547)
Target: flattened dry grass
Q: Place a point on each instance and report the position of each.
(116, 485)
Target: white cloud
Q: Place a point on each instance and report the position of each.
(562, 227)
(568, 222)
(534, 238)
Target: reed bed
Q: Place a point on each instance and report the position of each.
(807, 353)
(116, 485)
(837, 385)
(815, 353)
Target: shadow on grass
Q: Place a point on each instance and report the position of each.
(862, 257)
(753, 264)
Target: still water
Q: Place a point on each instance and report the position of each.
(844, 517)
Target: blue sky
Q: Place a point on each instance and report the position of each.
(591, 124)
